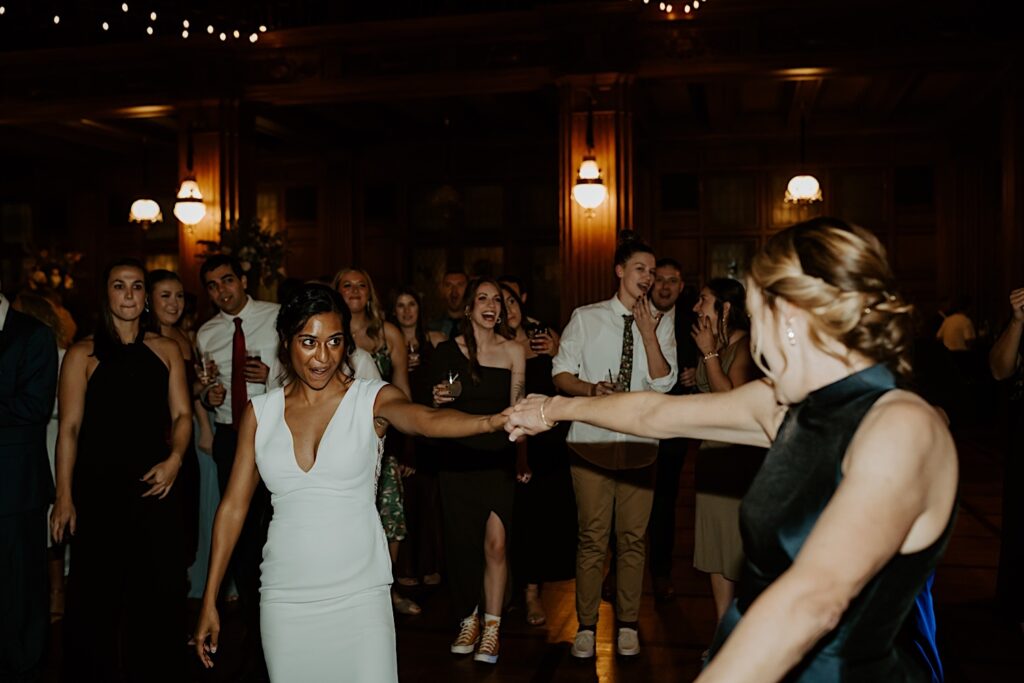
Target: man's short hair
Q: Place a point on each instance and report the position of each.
(455, 271)
(670, 262)
(215, 261)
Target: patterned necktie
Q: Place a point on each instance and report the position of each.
(239, 396)
(626, 361)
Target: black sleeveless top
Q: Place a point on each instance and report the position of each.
(125, 423)
(488, 396)
(800, 475)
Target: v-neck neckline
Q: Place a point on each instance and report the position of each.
(320, 442)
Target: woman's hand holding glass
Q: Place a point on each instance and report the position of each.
(414, 356)
(446, 392)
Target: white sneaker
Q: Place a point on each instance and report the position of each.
(628, 643)
(583, 645)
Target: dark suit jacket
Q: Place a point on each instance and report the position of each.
(28, 386)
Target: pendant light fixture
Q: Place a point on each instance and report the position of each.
(189, 207)
(803, 188)
(589, 190)
(144, 210)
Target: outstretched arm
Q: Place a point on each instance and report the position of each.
(747, 415)
(416, 420)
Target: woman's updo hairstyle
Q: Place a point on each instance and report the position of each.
(732, 292)
(307, 301)
(629, 243)
(840, 275)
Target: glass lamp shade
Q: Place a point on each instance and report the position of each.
(803, 189)
(589, 195)
(589, 191)
(145, 211)
(189, 208)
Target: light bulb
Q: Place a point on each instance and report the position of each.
(3, 10)
(56, 19)
(106, 26)
(803, 189)
(236, 34)
(263, 28)
(145, 211)
(124, 6)
(223, 36)
(189, 207)
(184, 24)
(152, 16)
(184, 34)
(149, 30)
(253, 38)
(209, 29)
(668, 8)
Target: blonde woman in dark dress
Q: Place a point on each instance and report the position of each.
(854, 505)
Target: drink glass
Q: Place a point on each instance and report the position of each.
(454, 385)
(253, 354)
(202, 362)
(414, 355)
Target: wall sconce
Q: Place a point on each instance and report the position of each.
(189, 207)
(145, 210)
(804, 188)
(589, 190)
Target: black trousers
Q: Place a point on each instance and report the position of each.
(24, 595)
(661, 529)
(244, 566)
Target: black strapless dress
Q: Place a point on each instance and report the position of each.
(879, 637)
(125, 616)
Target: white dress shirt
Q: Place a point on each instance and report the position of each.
(5, 306)
(216, 336)
(591, 345)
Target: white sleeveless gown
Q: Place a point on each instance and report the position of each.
(325, 605)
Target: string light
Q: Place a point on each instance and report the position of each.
(56, 19)
(688, 8)
(106, 26)
(263, 28)
(149, 30)
(3, 10)
(124, 6)
(253, 38)
(209, 29)
(152, 16)
(223, 36)
(184, 34)
(184, 24)
(236, 34)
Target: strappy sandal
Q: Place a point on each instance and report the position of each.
(404, 605)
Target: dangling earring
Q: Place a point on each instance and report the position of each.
(497, 321)
(790, 334)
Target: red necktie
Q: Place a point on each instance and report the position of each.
(239, 396)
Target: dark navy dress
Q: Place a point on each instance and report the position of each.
(887, 632)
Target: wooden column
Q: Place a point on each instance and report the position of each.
(587, 239)
(217, 163)
(1011, 237)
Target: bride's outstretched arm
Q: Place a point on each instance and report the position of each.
(416, 420)
(746, 415)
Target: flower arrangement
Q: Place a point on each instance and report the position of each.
(260, 251)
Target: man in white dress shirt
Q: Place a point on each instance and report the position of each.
(614, 345)
(242, 340)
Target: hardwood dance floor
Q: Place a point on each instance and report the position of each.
(975, 647)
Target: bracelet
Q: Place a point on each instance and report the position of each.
(709, 356)
(543, 419)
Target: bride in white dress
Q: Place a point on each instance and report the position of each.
(325, 605)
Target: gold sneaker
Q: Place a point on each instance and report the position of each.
(488, 649)
(469, 635)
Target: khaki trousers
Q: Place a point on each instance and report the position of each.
(604, 496)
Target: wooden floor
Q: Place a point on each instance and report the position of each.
(974, 645)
